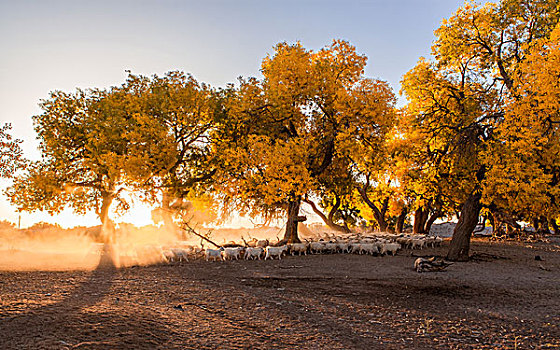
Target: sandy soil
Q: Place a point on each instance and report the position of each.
(503, 299)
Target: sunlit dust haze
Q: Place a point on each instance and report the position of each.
(50, 247)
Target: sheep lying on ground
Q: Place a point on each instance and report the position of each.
(271, 252)
(430, 264)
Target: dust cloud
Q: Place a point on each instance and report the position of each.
(49, 247)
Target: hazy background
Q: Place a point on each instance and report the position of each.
(60, 45)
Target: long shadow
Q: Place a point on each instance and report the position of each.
(280, 308)
(68, 324)
(97, 285)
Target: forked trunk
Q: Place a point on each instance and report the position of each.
(291, 234)
(328, 220)
(378, 214)
(460, 243)
(431, 221)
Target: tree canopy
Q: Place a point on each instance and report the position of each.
(296, 125)
(11, 154)
(479, 134)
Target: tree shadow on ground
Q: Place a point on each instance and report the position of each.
(260, 313)
(82, 319)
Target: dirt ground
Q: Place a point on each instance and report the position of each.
(504, 298)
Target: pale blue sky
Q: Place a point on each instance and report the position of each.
(47, 45)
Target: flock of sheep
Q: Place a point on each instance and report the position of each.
(263, 249)
(255, 249)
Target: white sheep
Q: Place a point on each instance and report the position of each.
(355, 248)
(316, 247)
(330, 247)
(231, 253)
(418, 243)
(168, 255)
(213, 253)
(404, 241)
(180, 254)
(390, 248)
(298, 248)
(271, 252)
(253, 252)
(368, 248)
(343, 247)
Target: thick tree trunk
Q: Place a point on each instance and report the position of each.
(328, 219)
(536, 224)
(460, 243)
(383, 225)
(291, 234)
(106, 201)
(420, 218)
(400, 221)
(107, 227)
(544, 225)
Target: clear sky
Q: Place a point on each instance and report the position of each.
(50, 45)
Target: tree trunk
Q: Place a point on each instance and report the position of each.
(536, 224)
(544, 225)
(328, 219)
(431, 221)
(420, 218)
(379, 215)
(460, 243)
(107, 227)
(400, 221)
(383, 225)
(496, 224)
(291, 234)
(167, 216)
(554, 226)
